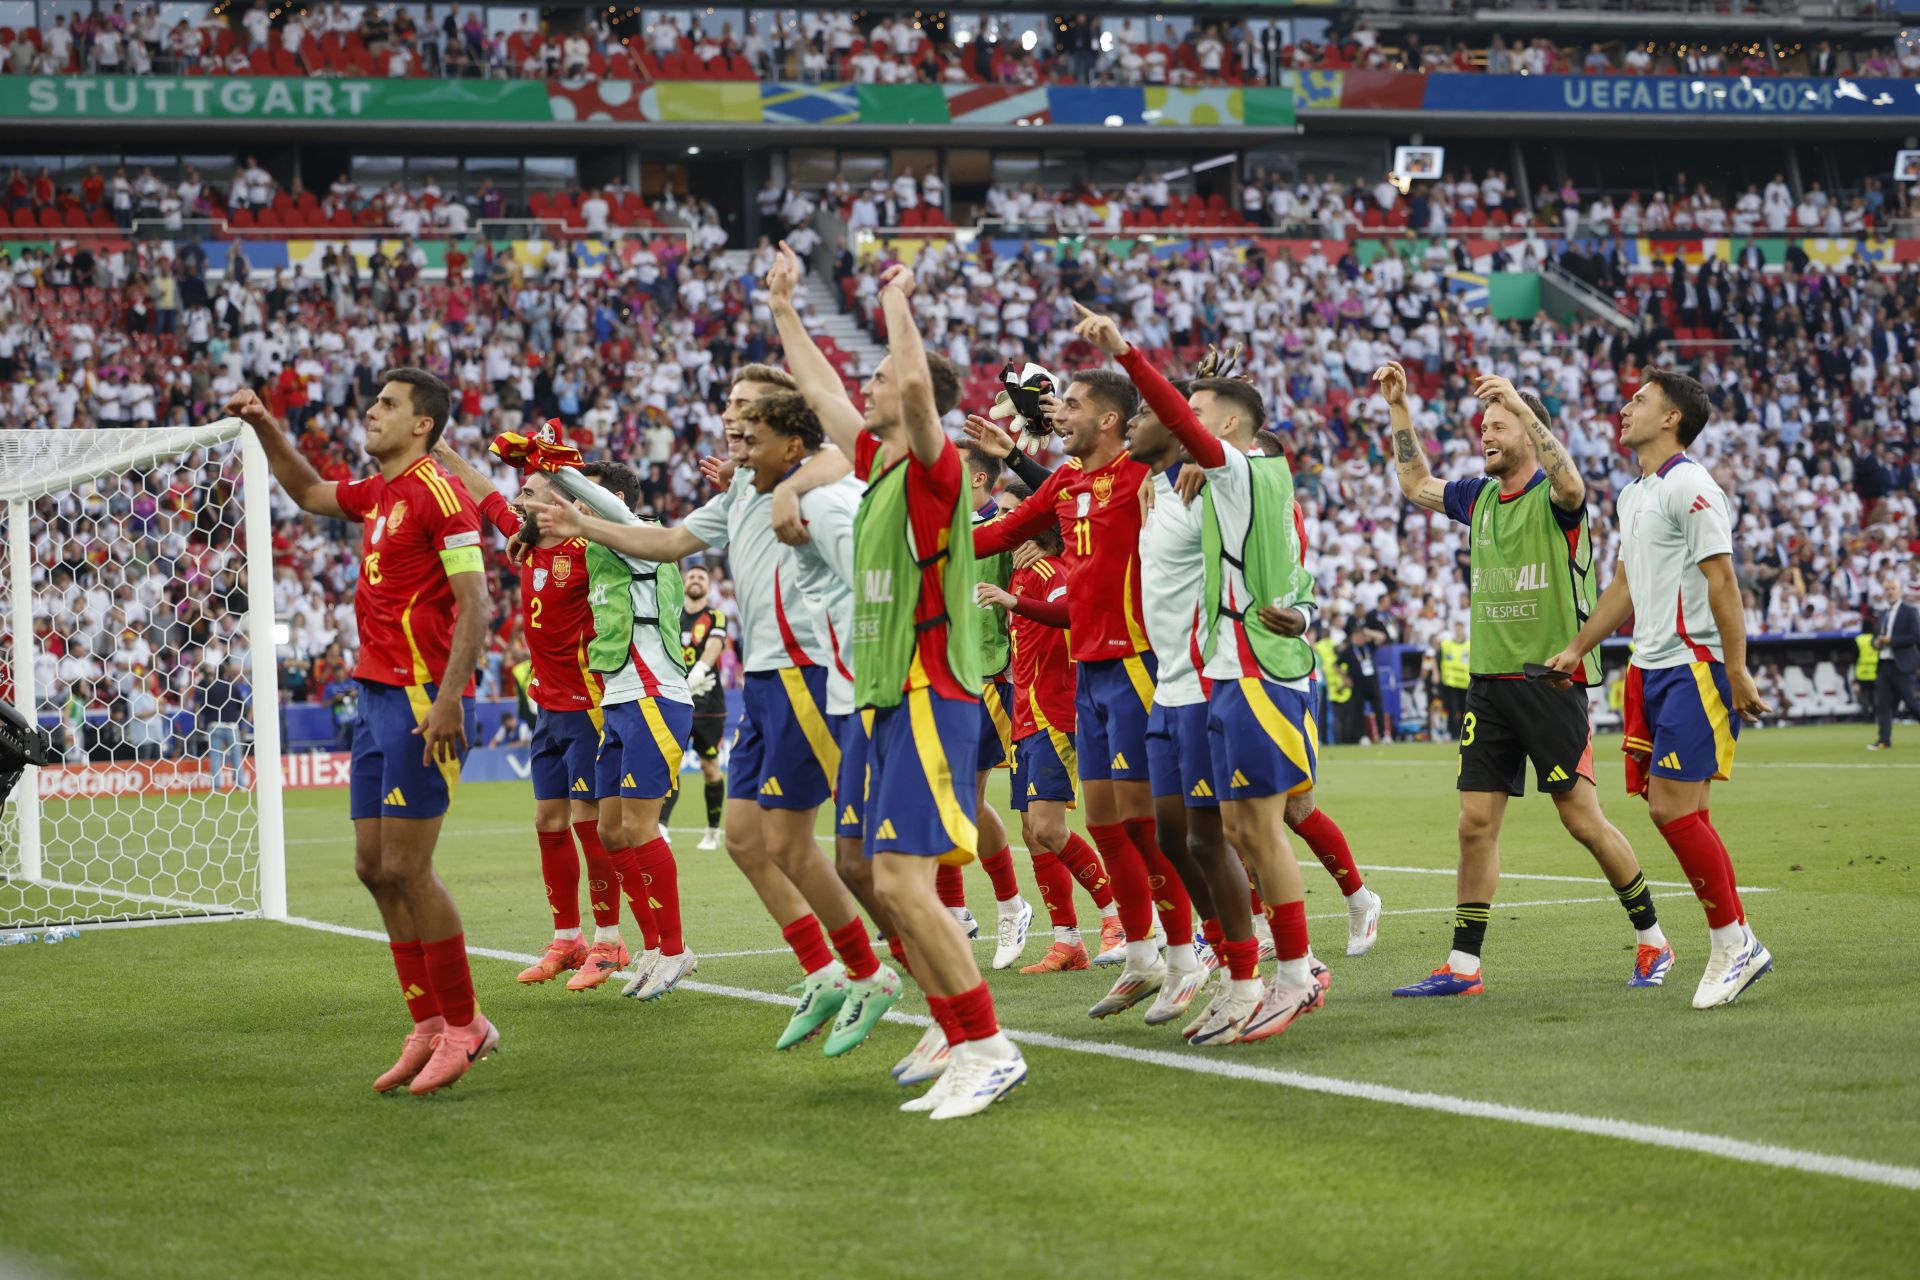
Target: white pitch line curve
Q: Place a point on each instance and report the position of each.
(1870, 1171)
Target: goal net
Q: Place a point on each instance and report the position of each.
(131, 629)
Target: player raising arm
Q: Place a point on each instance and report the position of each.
(1530, 586)
(422, 607)
(916, 670)
(1687, 684)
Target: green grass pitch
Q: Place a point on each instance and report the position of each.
(193, 1101)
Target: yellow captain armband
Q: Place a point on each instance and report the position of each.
(462, 560)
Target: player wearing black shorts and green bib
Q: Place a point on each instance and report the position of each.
(1531, 589)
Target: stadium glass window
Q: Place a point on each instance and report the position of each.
(811, 168)
(375, 173)
(218, 170)
(504, 22)
(914, 160)
(861, 167)
(17, 14)
(1015, 168)
(444, 170)
(551, 173)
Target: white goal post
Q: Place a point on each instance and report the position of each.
(122, 549)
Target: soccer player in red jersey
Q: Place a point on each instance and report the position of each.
(1095, 501)
(422, 607)
(1045, 771)
(557, 621)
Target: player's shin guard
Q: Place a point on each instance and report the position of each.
(999, 869)
(1056, 889)
(716, 796)
(1127, 871)
(660, 886)
(1733, 886)
(1242, 959)
(560, 870)
(1708, 868)
(633, 883)
(452, 978)
(809, 944)
(951, 886)
(856, 949)
(1078, 857)
(1288, 920)
(1329, 844)
(973, 1013)
(603, 888)
(1170, 895)
(416, 985)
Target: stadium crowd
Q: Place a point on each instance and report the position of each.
(1815, 377)
(954, 47)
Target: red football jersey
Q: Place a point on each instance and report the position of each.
(1099, 517)
(1043, 678)
(555, 615)
(404, 600)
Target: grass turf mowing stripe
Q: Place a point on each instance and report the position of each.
(1869, 1171)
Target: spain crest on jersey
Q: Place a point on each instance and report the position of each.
(396, 516)
(562, 569)
(539, 579)
(1102, 489)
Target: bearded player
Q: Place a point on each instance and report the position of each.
(1688, 677)
(1530, 586)
(557, 622)
(703, 639)
(422, 608)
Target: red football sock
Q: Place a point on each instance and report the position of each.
(1733, 885)
(1242, 958)
(560, 869)
(951, 886)
(973, 1010)
(416, 988)
(633, 883)
(1216, 935)
(1329, 844)
(1288, 920)
(452, 979)
(1127, 872)
(603, 890)
(898, 950)
(660, 881)
(1259, 907)
(1079, 858)
(808, 943)
(999, 869)
(1705, 861)
(1056, 889)
(942, 1010)
(1169, 890)
(856, 949)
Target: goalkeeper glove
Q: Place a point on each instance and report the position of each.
(700, 680)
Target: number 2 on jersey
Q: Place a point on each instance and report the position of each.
(534, 621)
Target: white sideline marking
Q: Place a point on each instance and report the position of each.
(1888, 1175)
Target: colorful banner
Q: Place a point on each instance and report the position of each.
(625, 101)
(751, 102)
